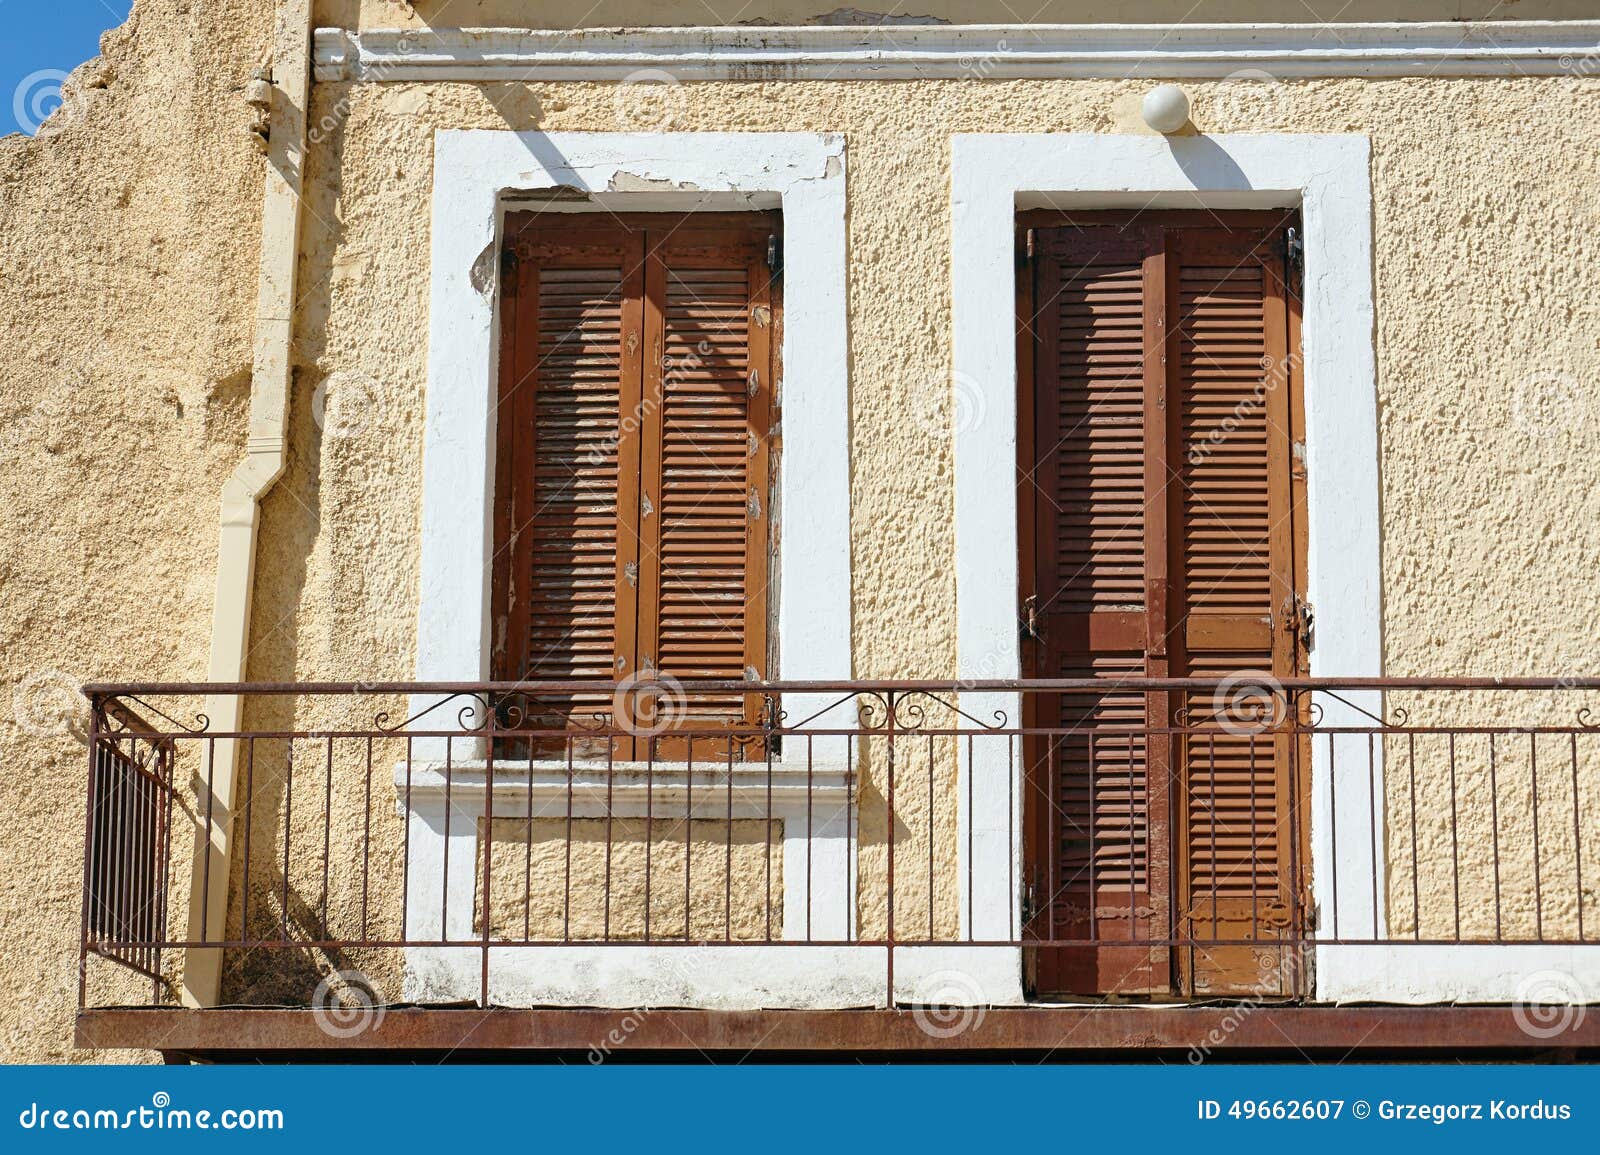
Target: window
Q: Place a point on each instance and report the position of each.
(638, 374)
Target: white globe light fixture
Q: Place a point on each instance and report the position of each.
(1166, 108)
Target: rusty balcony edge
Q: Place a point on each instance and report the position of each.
(1037, 1029)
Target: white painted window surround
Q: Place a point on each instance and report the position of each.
(477, 174)
(1327, 177)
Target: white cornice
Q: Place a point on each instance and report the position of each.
(940, 51)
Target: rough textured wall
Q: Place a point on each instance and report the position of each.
(128, 238)
(1487, 297)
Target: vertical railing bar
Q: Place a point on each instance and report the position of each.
(205, 867)
(727, 873)
(1372, 828)
(1538, 889)
(931, 826)
(1010, 893)
(366, 843)
(327, 835)
(1013, 911)
(688, 836)
(1296, 932)
(169, 777)
(405, 854)
(766, 836)
(611, 774)
(1494, 821)
(649, 825)
(449, 813)
(889, 812)
(1577, 836)
(566, 885)
(1416, 881)
(249, 821)
(1133, 894)
(811, 832)
(288, 828)
(1255, 865)
(91, 848)
(852, 830)
(527, 854)
(491, 746)
(1333, 834)
(1092, 839)
(1455, 840)
(1211, 829)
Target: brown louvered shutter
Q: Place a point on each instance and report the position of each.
(1158, 462)
(1096, 365)
(703, 578)
(1233, 534)
(636, 398)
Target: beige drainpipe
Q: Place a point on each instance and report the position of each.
(263, 464)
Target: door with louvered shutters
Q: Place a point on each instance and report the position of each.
(635, 450)
(1159, 538)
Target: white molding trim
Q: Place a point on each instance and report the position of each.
(1327, 176)
(477, 174)
(972, 51)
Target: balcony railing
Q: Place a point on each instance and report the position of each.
(864, 843)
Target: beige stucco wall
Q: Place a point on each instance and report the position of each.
(127, 245)
(127, 290)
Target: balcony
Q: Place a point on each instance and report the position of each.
(1184, 866)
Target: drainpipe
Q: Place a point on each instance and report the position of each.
(265, 453)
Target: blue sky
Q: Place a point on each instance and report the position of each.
(40, 35)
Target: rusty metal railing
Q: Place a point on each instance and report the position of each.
(1171, 837)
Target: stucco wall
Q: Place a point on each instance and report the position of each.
(128, 246)
(129, 260)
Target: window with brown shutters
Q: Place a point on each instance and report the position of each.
(1159, 534)
(638, 359)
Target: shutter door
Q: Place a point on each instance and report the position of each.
(1235, 580)
(1162, 538)
(1093, 609)
(566, 463)
(636, 401)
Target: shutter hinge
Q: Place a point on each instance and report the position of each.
(1026, 250)
(1294, 251)
(775, 254)
(508, 260)
(1300, 619)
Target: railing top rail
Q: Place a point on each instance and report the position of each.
(842, 686)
